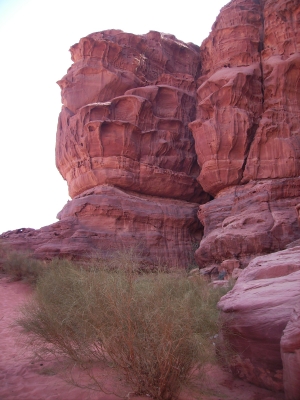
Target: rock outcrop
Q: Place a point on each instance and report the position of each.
(246, 130)
(246, 220)
(290, 354)
(256, 312)
(127, 102)
(153, 116)
(125, 149)
(106, 218)
(247, 142)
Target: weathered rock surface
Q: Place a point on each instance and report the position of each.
(108, 63)
(127, 102)
(125, 149)
(290, 354)
(247, 124)
(106, 218)
(230, 97)
(247, 142)
(245, 221)
(247, 128)
(256, 311)
(138, 142)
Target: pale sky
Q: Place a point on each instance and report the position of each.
(35, 37)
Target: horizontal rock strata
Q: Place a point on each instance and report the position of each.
(105, 219)
(247, 220)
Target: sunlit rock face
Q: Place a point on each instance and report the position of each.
(108, 63)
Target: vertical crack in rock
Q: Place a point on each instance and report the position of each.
(255, 125)
(229, 95)
(260, 49)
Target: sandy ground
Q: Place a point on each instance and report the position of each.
(24, 377)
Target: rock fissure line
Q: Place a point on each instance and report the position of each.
(261, 48)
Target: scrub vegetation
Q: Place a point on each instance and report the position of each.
(155, 328)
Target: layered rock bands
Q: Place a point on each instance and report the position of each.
(125, 149)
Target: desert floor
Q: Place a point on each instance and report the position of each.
(25, 377)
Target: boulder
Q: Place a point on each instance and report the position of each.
(260, 323)
(290, 354)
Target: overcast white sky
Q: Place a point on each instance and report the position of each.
(35, 36)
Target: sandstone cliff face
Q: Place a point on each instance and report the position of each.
(229, 95)
(246, 130)
(244, 221)
(127, 102)
(247, 142)
(125, 149)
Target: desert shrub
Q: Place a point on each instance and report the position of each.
(21, 266)
(155, 328)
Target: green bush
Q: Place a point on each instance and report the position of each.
(20, 265)
(155, 328)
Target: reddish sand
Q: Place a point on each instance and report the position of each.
(23, 377)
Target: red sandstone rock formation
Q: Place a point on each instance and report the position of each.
(246, 130)
(247, 220)
(229, 95)
(120, 125)
(247, 142)
(106, 218)
(124, 147)
(290, 354)
(259, 321)
(127, 102)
